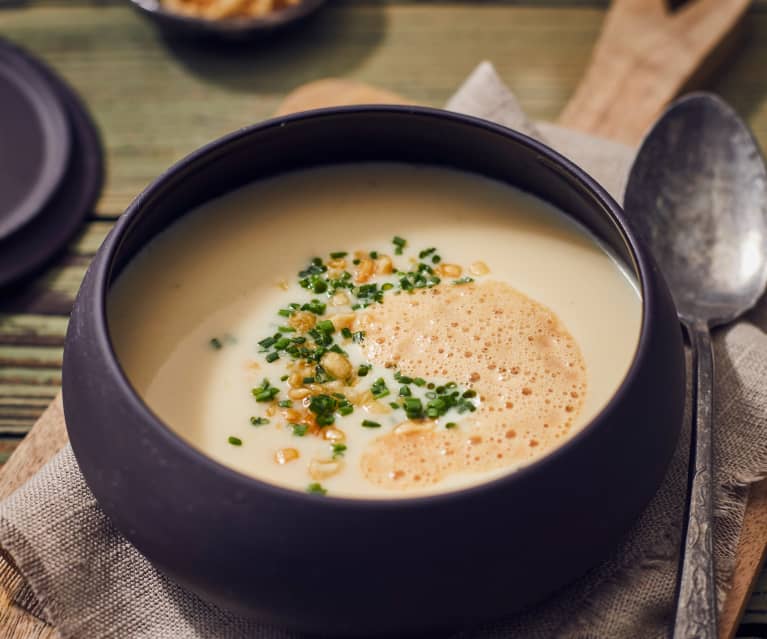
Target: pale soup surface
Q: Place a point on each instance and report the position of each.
(377, 330)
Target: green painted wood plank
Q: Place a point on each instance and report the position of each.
(31, 356)
(31, 392)
(190, 95)
(32, 330)
(509, 3)
(50, 293)
(30, 376)
(90, 238)
(11, 428)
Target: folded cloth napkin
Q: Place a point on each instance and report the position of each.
(83, 577)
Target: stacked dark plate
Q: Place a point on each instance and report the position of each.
(51, 163)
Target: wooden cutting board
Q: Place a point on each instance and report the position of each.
(644, 58)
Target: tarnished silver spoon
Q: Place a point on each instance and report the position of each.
(697, 195)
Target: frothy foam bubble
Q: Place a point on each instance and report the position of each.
(527, 370)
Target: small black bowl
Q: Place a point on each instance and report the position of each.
(231, 29)
(350, 567)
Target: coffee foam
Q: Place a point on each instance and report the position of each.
(528, 372)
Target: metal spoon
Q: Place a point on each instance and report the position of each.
(697, 195)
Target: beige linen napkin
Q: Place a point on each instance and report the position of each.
(88, 581)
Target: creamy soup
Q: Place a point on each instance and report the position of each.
(377, 330)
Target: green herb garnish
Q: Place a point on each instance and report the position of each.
(299, 430)
(324, 407)
(338, 450)
(266, 392)
(258, 421)
(215, 344)
(234, 441)
(379, 388)
(316, 489)
(326, 326)
(370, 424)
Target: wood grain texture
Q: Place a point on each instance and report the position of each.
(156, 100)
(645, 56)
(46, 438)
(750, 558)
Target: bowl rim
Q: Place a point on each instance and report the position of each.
(269, 22)
(104, 262)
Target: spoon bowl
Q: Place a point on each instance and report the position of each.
(698, 196)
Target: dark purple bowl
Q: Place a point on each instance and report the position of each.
(358, 567)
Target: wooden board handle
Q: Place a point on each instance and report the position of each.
(645, 56)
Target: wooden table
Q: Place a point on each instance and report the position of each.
(157, 100)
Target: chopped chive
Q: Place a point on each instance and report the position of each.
(451, 425)
(216, 344)
(273, 356)
(325, 420)
(337, 255)
(426, 252)
(387, 286)
(315, 306)
(234, 441)
(267, 342)
(316, 489)
(338, 450)
(326, 326)
(363, 370)
(299, 430)
(394, 405)
(469, 393)
(265, 393)
(370, 424)
(436, 259)
(324, 407)
(346, 332)
(404, 391)
(419, 381)
(284, 312)
(259, 421)
(464, 280)
(379, 389)
(286, 329)
(285, 403)
(374, 255)
(413, 408)
(355, 262)
(282, 343)
(399, 244)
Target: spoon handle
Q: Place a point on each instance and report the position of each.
(696, 608)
